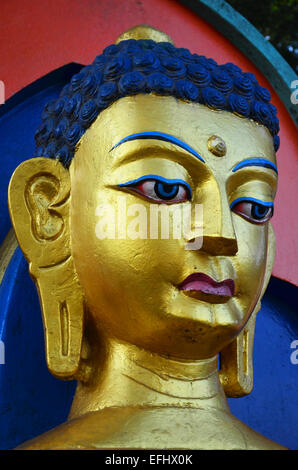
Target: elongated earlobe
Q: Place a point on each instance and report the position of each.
(236, 367)
(38, 197)
(236, 359)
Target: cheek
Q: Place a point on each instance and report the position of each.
(128, 284)
(137, 268)
(252, 254)
(117, 273)
(105, 261)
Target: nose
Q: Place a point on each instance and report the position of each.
(215, 245)
(218, 236)
(220, 246)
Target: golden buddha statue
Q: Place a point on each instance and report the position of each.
(139, 316)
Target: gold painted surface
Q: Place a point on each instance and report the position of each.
(217, 146)
(144, 31)
(7, 249)
(145, 354)
(38, 198)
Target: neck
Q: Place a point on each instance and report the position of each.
(133, 377)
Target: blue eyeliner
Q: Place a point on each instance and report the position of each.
(256, 162)
(159, 136)
(158, 178)
(251, 199)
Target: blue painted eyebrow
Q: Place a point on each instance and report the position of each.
(159, 136)
(256, 162)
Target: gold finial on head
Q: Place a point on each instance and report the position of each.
(144, 31)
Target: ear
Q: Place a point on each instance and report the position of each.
(38, 199)
(236, 370)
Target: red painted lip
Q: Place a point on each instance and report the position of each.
(200, 282)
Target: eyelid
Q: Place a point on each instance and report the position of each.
(245, 182)
(158, 178)
(251, 199)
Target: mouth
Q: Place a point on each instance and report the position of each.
(203, 287)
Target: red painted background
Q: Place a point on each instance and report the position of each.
(37, 36)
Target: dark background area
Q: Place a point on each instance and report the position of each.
(277, 21)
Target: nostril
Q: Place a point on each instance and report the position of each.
(229, 246)
(220, 246)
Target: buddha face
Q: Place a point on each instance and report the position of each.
(187, 296)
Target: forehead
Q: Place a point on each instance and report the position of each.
(191, 123)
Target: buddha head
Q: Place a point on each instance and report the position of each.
(147, 132)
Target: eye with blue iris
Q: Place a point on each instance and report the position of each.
(159, 189)
(254, 210)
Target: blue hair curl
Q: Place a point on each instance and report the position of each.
(144, 66)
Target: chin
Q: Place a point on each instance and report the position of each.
(193, 320)
(209, 311)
